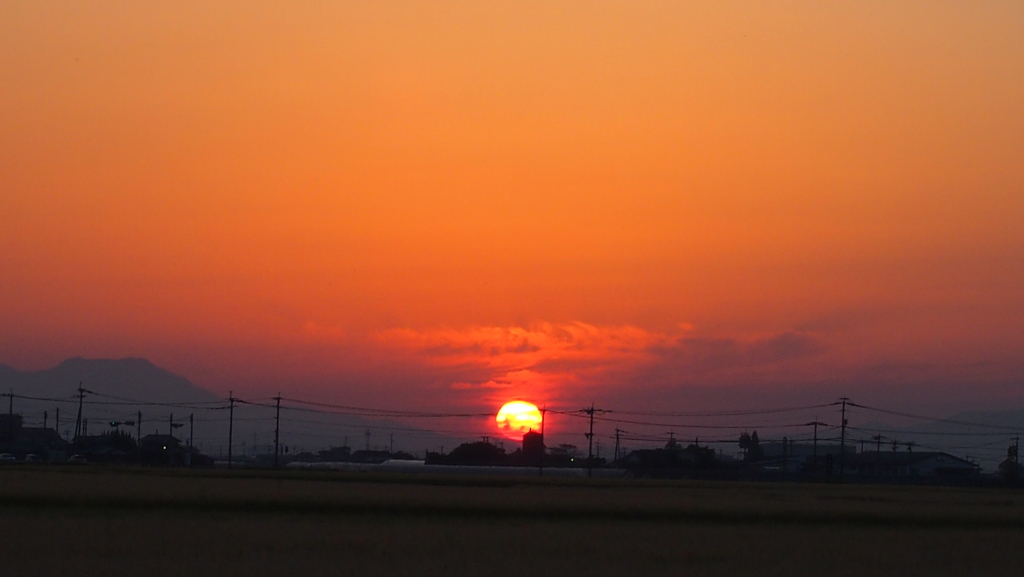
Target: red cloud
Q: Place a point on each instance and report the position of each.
(546, 358)
(515, 348)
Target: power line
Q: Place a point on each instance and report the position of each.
(366, 411)
(736, 420)
(468, 434)
(699, 426)
(726, 413)
(932, 433)
(937, 420)
(183, 404)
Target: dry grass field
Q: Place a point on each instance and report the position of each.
(95, 521)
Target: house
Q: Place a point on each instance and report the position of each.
(802, 452)
(926, 464)
(803, 457)
(166, 450)
(672, 461)
(20, 440)
(370, 457)
(111, 448)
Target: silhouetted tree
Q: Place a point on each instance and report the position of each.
(1010, 469)
(478, 453)
(751, 446)
(340, 454)
(702, 456)
(564, 450)
(121, 440)
(563, 455)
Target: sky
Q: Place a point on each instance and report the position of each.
(650, 204)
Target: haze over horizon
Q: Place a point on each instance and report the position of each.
(698, 207)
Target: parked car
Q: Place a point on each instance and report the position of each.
(78, 460)
(7, 458)
(32, 458)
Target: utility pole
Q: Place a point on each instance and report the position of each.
(78, 421)
(191, 428)
(1016, 458)
(878, 452)
(391, 443)
(138, 437)
(814, 452)
(10, 421)
(46, 416)
(618, 432)
(174, 425)
(231, 423)
(277, 430)
(590, 439)
(56, 421)
(910, 461)
(842, 439)
(590, 443)
(540, 463)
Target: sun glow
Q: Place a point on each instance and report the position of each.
(516, 418)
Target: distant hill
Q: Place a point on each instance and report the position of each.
(126, 378)
(1008, 418)
(121, 389)
(7, 373)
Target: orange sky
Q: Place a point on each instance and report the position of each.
(454, 203)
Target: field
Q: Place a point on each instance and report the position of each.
(95, 521)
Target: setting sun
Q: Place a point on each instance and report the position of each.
(517, 418)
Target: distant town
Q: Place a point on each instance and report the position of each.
(138, 415)
(676, 460)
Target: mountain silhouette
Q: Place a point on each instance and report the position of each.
(119, 390)
(129, 378)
